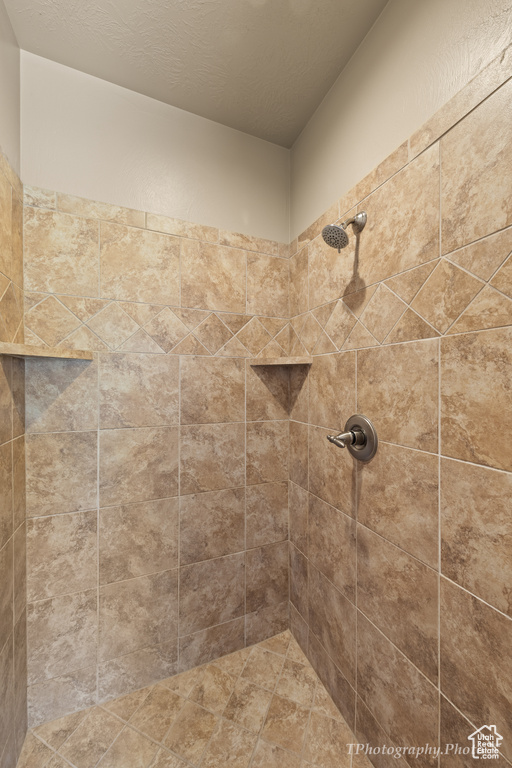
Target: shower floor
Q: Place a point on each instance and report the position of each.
(262, 707)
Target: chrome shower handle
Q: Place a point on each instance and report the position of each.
(353, 437)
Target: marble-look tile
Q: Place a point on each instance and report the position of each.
(299, 582)
(56, 732)
(6, 592)
(266, 576)
(63, 694)
(476, 668)
(270, 756)
(61, 554)
(387, 168)
(165, 759)
(398, 499)
(267, 452)
(213, 689)
(212, 390)
(476, 531)
(298, 459)
(129, 747)
(125, 706)
(332, 545)
(397, 388)
(267, 392)
(61, 472)
(211, 457)
(266, 514)
(323, 703)
(34, 754)
(490, 309)
(299, 283)
(248, 705)
(368, 731)
(267, 621)
(502, 280)
(404, 214)
(166, 329)
(382, 312)
(327, 742)
(445, 294)
(298, 628)
(137, 265)
(181, 228)
(333, 620)
(138, 464)
(267, 285)
(138, 539)
(211, 592)
(213, 334)
(40, 198)
(137, 613)
(332, 390)
(7, 694)
(83, 307)
(92, 209)
(263, 668)
(6, 493)
(155, 715)
(51, 321)
(61, 395)
(475, 153)
(297, 683)
(330, 273)
(310, 334)
(18, 397)
(230, 745)
(11, 313)
(138, 391)
(212, 524)
(208, 644)
(213, 277)
(113, 325)
(407, 284)
(400, 596)
(286, 724)
(5, 399)
(248, 242)
(485, 256)
(19, 575)
(254, 336)
(233, 663)
(299, 392)
(191, 732)
(298, 517)
(61, 635)
(60, 253)
(136, 670)
(335, 683)
(409, 328)
(332, 472)
(475, 391)
(391, 687)
(95, 734)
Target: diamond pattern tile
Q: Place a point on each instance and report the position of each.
(113, 325)
(166, 329)
(51, 321)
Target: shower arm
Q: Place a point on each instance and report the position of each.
(359, 220)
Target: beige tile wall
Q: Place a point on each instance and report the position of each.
(13, 662)
(401, 569)
(157, 474)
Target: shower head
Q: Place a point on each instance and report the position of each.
(335, 234)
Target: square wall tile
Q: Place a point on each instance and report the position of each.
(6, 592)
(61, 472)
(137, 670)
(61, 554)
(213, 277)
(397, 389)
(332, 545)
(61, 635)
(137, 613)
(267, 622)
(138, 464)
(476, 378)
(138, 265)
(138, 539)
(338, 687)
(138, 390)
(267, 452)
(212, 390)
(208, 644)
(332, 390)
(211, 457)
(211, 525)
(61, 695)
(476, 531)
(61, 395)
(211, 592)
(266, 576)
(299, 582)
(6, 493)
(298, 500)
(266, 514)
(332, 472)
(60, 253)
(267, 285)
(299, 453)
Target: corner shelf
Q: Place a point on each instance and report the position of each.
(28, 350)
(282, 361)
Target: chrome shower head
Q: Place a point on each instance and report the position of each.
(335, 234)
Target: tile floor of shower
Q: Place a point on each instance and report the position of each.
(261, 707)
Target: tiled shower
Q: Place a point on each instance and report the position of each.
(172, 501)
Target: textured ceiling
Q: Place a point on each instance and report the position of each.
(261, 66)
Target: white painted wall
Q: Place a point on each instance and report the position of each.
(87, 137)
(9, 91)
(418, 54)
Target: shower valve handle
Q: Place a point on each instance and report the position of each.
(353, 437)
